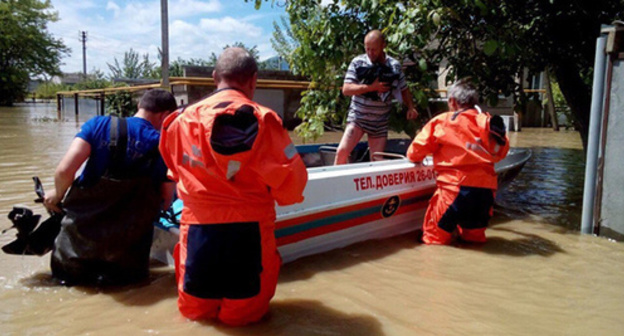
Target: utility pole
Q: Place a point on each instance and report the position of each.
(164, 20)
(83, 39)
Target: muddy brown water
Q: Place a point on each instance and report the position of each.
(536, 275)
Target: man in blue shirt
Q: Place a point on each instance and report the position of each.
(106, 232)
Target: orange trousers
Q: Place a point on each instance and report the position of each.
(227, 271)
(467, 209)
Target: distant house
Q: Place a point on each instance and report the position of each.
(534, 114)
(283, 99)
(70, 78)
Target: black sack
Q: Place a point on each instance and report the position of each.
(368, 74)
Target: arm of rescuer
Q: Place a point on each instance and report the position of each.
(76, 155)
(167, 190)
(281, 167)
(424, 143)
(167, 187)
(166, 142)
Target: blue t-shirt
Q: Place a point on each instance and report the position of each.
(142, 139)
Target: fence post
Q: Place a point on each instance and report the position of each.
(76, 103)
(58, 106)
(102, 103)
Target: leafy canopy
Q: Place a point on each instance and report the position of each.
(26, 48)
(494, 41)
(133, 66)
(323, 39)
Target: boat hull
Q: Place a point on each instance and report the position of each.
(352, 203)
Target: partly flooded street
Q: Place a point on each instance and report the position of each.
(535, 276)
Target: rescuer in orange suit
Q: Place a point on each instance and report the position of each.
(465, 144)
(232, 160)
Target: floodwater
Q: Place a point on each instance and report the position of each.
(536, 275)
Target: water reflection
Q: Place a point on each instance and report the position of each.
(550, 186)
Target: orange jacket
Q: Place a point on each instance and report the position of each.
(463, 150)
(235, 184)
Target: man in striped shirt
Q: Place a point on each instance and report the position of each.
(372, 98)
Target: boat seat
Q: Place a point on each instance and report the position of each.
(328, 155)
(398, 146)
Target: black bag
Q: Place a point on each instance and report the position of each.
(368, 75)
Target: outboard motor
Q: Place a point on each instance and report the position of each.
(24, 221)
(31, 241)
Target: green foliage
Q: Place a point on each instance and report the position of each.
(329, 36)
(133, 66)
(121, 104)
(273, 63)
(492, 41)
(561, 106)
(317, 107)
(176, 67)
(26, 48)
(95, 80)
(253, 51)
(283, 40)
(558, 97)
(258, 3)
(48, 90)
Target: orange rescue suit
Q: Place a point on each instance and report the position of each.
(232, 160)
(464, 152)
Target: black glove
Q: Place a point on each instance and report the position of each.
(497, 129)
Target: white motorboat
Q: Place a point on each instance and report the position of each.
(351, 203)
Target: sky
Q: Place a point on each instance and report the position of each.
(197, 28)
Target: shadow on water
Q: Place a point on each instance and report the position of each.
(306, 317)
(159, 286)
(344, 258)
(518, 244)
(527, 244)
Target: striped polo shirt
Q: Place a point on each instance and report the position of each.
(372, 113)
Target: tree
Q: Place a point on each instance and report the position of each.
(133, 66)
(26, 48)
(493, 41)
(283, 40)
(253, 51)
(176, 67)
(95, 80)
(496, 40)
(329, 36)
